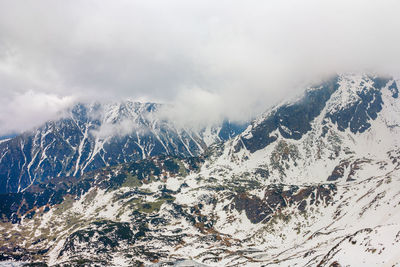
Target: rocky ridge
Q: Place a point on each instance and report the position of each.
(316, 189)
(92, 136)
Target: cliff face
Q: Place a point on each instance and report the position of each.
(94, 136)
(312, 182)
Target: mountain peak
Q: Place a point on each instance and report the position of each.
(94, 135)
(319, 174)
(348, 118)
(348, 100)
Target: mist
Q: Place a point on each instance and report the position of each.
(209, 60)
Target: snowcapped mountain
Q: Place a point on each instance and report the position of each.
(91, 136)
(340, 125)
(312, 182)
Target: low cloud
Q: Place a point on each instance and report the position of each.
(193, 108)
(208, 59)
(118, 129)
(23, 111)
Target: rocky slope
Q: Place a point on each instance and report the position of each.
(92, 136)
(312, 182)
(335, 128)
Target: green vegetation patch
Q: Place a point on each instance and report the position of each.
(131, 181)
(150, 207)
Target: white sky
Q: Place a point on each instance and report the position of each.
(213, 59)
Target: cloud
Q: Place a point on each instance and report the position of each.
(24, 110)
(211, 59)
(116, 129)
(193, 107)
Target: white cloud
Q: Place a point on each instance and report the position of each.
(194, 107)
(24, 110)
(240, 57)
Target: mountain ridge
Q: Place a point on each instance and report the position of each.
(329, 197)
(277, 148)
(95, 135)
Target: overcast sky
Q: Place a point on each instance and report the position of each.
(214, 59)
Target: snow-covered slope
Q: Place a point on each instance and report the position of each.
(168, 211)
(312, 182)
(342, 125)
(92, 136)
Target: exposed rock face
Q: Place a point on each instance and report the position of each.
(324, 192)
(15, 206)
(95, 136)
(366, 105)
(335, 127)
(290, 120)
(277, 198)
(352, 109)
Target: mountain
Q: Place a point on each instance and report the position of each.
(346, 122)
(91, 136)
(312, 182)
